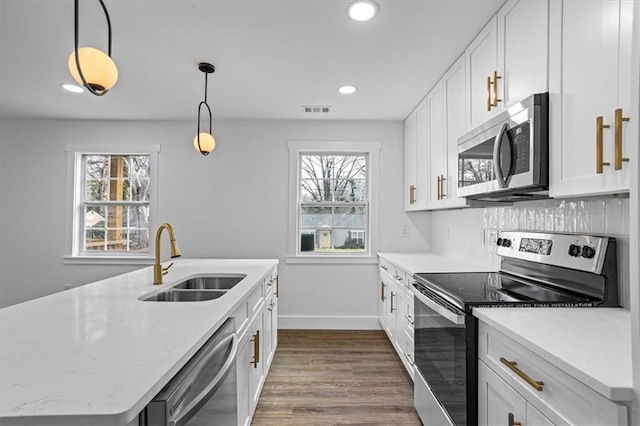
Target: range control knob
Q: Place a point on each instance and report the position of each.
(588, 252)
(506, 243)
(574, 250)
(499, 242)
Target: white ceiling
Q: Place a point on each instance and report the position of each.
(271, 56)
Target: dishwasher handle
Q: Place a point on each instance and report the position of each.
(182, 412)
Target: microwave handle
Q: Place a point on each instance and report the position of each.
(497, 167)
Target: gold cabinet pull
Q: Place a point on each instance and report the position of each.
(256, 349)
(496, 77)
(618, 158)
(412, 194)
(600, 126)
(438, 186)
(511, 420)
(442, 194)
(537, 385)
(392, 308)
(489, 103)
(277, 291)
(382, 287)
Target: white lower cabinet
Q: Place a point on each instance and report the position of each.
(518, 386)
(395, 311)
(500, 404)
(257, 345)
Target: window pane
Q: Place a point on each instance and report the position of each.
(116, 177)
(333, 177)
(116, 228)
(316, 217)
(350, 217)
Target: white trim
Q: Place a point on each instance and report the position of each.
(74, 172)
(372, 149)
(304, 322)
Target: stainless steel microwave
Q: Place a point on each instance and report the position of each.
(507, 158)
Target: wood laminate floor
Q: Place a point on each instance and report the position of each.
(336, 378)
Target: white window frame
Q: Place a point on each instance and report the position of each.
(372, 150)
(73, 253)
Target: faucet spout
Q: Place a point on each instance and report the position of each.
(158, 270)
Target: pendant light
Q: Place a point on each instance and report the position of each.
(204, 142)
(91, 67)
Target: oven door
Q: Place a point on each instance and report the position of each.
(446, 360)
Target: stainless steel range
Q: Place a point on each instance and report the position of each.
(536, 269)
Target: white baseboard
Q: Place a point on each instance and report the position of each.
(292, 322)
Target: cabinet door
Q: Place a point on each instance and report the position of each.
(536, 418)
(589, 71)
(523, 36)
(242, 371)
(422, 158)
(410, 178)
(498, 403)
(481, 62)
(383, 293)
(257, 361)
(399, 320)
(272, 329)
(455, 115)
(437, 145)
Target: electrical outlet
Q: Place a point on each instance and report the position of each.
(404, 233)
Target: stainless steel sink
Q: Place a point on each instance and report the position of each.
(185, 296)
(211, 282)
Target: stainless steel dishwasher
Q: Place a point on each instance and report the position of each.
(204, 392)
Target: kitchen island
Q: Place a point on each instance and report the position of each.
(97, 354)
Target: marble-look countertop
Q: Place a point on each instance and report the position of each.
(593, 345)
(96, 354)
(418, 262)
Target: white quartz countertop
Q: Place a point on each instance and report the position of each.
(97, 355)
(418, 262)
(591, 345)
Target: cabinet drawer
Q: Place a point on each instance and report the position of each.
(409, 314)
(561, 398)
(385, 265)
(241, 316)
(256, 297)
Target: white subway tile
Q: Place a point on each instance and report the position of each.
(515, 213)
(584, 216)
(625, 216)
(531, 218)
(559, 216)
(548, 215)
(598, 216)
(613, 221)
(571, 216)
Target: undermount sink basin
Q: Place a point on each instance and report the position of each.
(211, 282)
(185, 296)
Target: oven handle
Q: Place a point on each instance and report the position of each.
(497, 167)
(439, 309)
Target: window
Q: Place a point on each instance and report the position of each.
(112, 204)
(333, 189)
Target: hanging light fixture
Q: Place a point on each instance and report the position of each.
(204, 142)
(91, 67)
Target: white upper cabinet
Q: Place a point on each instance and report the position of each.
(415, 159)
(508, 60)
(481, 62)
(447, 122)
(523, 38)
(590, 87)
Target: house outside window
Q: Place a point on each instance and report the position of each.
(334, 189)
(112, 207)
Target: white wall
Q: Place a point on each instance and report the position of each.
(231, 204)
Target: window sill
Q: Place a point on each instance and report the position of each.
(108, 260)
(366, 259)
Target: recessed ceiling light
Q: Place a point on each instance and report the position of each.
(71, 88)
(347, 90)
(362, 10)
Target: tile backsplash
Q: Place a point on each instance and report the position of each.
(598, 216)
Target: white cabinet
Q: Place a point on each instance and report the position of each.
(523, 37)
(481, 63)
(415, 159)
(508, 59)
(395, 311)
(256, 326)
(447, 112)
(500, 404)
(515, 379)
(590, 79)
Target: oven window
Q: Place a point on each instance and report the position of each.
(441, 358)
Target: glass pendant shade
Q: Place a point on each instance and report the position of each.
(98, 68)
(206, 145)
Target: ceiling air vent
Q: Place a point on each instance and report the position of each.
(316, 109)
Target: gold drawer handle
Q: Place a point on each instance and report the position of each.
(256, 349)
(489, 103)
(495, 89)
(600, 126)
(537, 385)
(382, 287)
(618, 158)
(412, 194)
